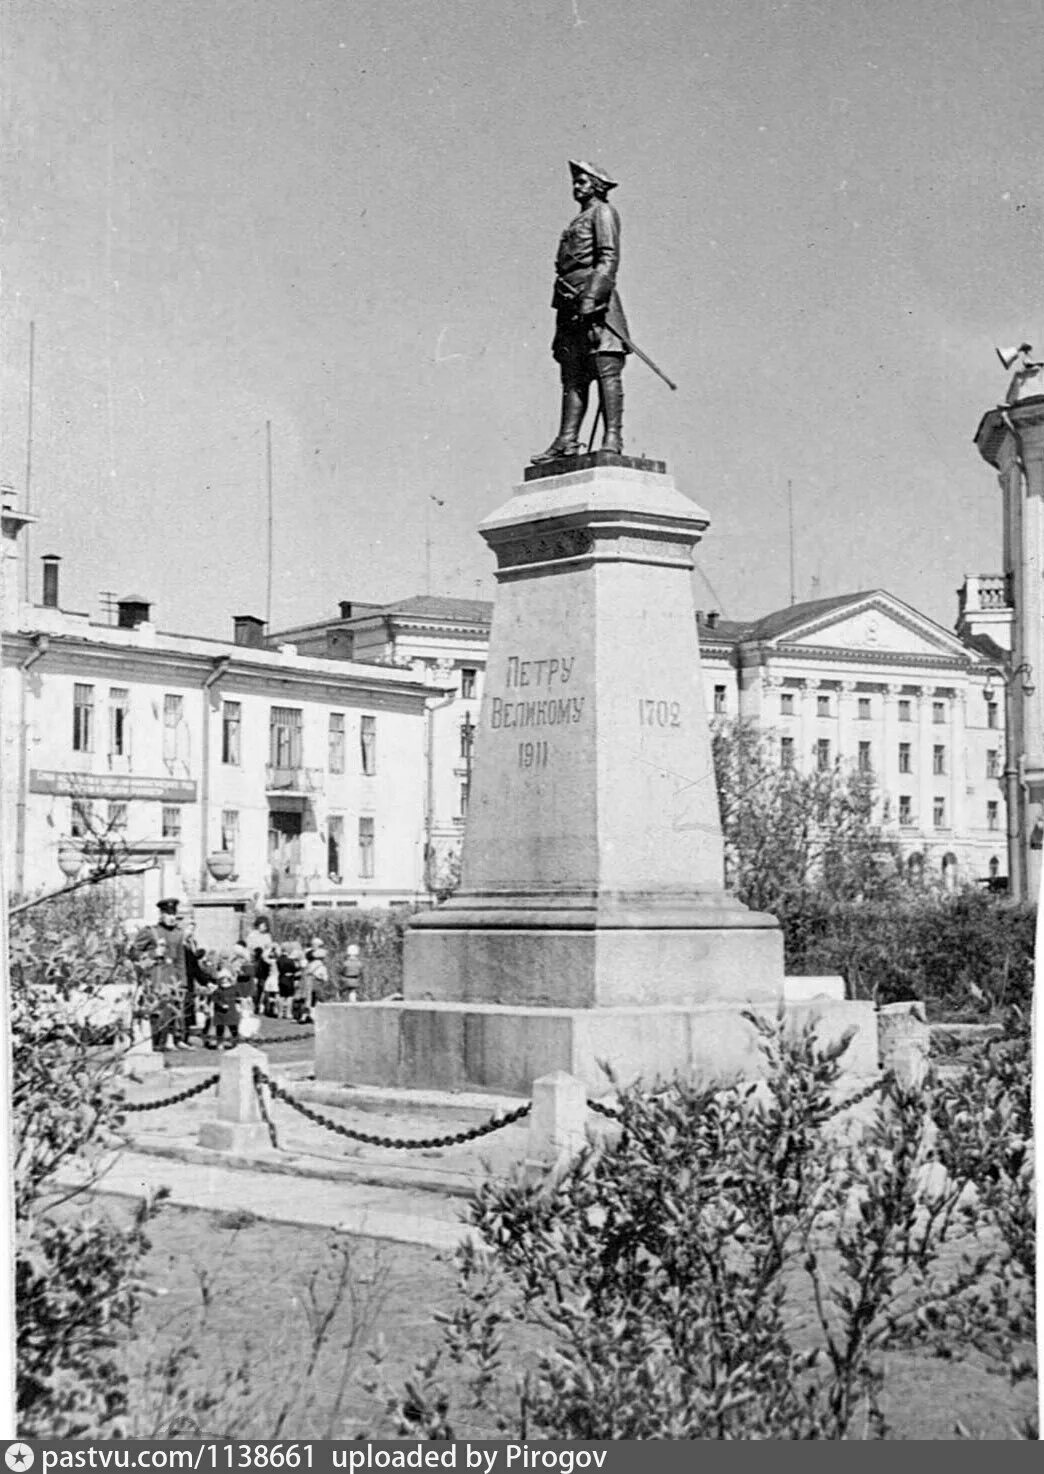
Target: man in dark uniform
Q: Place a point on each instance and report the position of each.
(163, 946)
(587, 307)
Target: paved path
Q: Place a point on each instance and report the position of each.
(398, 1214)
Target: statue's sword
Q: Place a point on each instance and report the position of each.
(633, 348)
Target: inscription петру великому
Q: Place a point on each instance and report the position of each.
(550, 712)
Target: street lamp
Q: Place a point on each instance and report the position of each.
(1025, 670)
(467, 742)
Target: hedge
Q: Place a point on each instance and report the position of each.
(965, 955)
(377, 932)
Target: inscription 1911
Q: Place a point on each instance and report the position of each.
(532, 754)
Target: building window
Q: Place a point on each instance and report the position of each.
(231, 723)
(939, 713)
(786, 752)
(116, 818)
(366, 866)
(336, 743)
(905, 709)
(991, 714)
(173, 708)
(864, 708)
(334, 847)
(905, 809)
(468, 679)
(939, 812)
(368, 744)
(823, 754)
(993, 763)
(864, 758)
(230, 831)
(992, 814)
(904, 758)
(119, 721)
(822, 706)
(83, 718)
(719, 700)
(81, 819)
(284, 737)
(938, 761)
(171, 821)
(467, 738)
(786, 703)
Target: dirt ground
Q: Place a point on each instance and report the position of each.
(241, 1302)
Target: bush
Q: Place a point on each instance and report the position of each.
(666, 1269)
(966, 955)
(378, 932)
(77, 1281)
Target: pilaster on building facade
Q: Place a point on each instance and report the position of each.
(1010, 438)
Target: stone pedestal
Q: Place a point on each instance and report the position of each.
(592, 922)
(239, 1127)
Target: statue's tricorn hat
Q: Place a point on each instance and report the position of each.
(594, 171)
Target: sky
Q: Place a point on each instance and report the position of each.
(340, 217)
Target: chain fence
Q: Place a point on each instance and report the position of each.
(395, 1143)
(612, 1114)
(169, 1100)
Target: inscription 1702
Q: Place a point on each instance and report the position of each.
(652, 713)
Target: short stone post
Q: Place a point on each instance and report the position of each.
(557, 1124)
(903, 1042)
(139, 1058)
(239, 1127)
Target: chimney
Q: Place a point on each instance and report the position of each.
(345, 606)
(712, 619)
(132, 610)
(247, 629)
(49, 597)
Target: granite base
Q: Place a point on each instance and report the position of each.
(492, 1047)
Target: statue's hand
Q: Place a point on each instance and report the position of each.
(588, 309)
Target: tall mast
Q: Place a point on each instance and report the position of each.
(29, 453)
(268, 581)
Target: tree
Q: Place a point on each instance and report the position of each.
(788, 832)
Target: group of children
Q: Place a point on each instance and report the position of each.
(222, 995)
(258, 978)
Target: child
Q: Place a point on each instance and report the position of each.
(353, 973)
(286, 967)
(225, 1004)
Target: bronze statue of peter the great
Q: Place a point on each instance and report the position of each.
(591, 334)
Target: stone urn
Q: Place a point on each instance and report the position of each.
(220, 864)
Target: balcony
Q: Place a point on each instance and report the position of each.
(296, 779)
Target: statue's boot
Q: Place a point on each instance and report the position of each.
(609, 367)
(565, 443)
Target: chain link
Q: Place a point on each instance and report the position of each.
(426, 1143)
(156, 1105)
(853, 1100)
(262, 1103)
(261, 1041)
(861, 1095)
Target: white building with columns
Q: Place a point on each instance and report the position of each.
(862, 677)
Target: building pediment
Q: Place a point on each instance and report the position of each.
(875, 624)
